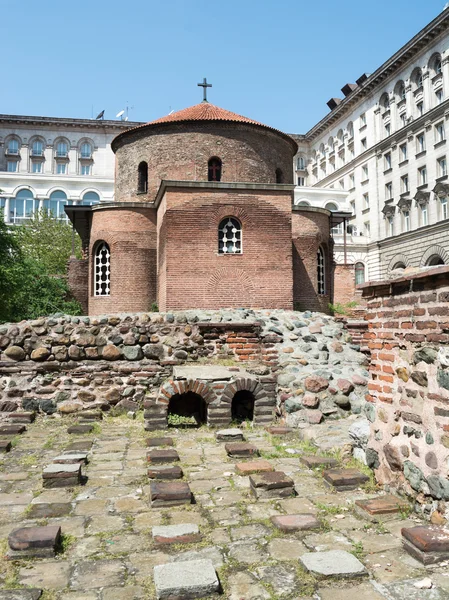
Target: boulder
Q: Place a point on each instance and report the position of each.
(40, 354)
(315, 383)
(111, 352)
(359, 432)
(15, 353)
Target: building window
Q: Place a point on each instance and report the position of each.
(440, 134)
(301, 163)
(230, 236)
(387, 128)
(420, 143)
(11, 166)
(444, 210)
(22, 207)
(420, 108)
(36, 166)
(86, 150)
(365, 173)
(214, 169)
(351, 181)
(439, 96)
(321, 281)
(404, 184)
(102, 272)
(13, 146)
(406, 218)
(403, 118)
(90, 198)
(387, 158)
(390, 225)
(142, 178)
(363, 142)
(401, 92)
(54, 206)
(388, 191)
(301, 181)
(352, 203)
(365, 200)
(85, 169)
(424, 214)
(359, 273)
(37, 148)
(402, 152)
(279, 176)
(62, 150)
(61, 168)
(367, 228)
(442, 166)
(422, 176)
(362, 119)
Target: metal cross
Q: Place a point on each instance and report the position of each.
(205, 85)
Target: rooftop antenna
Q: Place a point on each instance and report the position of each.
(123, 115)
(100, 115)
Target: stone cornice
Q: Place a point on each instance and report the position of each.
(67, 123)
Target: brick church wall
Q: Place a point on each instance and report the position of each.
(310, 230)
(408, 401)
(77, 279)
(181, 152)
(131, 235)
(197, 276)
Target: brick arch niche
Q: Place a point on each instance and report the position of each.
(241, 391)
(184, 397)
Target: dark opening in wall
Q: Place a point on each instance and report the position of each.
(142, 181)
(242, 407)
(279, 176)
(187, 406)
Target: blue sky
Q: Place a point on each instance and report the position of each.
(275, 61)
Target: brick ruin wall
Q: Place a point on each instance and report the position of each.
(408, 397)
(64, 365)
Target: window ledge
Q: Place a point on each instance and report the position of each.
(388, 170)
(389, 200)
(422, 153)
(365, 210)
(141, 193)
(363, 127)
(403, 163)
(422, 186)
(442, 178)
(440, 143)
(364, 181)
(403, 194)
(351, 189)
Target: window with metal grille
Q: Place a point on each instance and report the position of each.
(102, 271)
(320, 272)
(230, 236)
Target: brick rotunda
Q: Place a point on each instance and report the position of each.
(203, 217)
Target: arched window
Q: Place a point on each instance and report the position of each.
(350, 129)
(62, 149)
(434, 261)
(279, 176)
(301, 163)
(90, 198)
(416, 78)
(214, 169)
(303, 203)
(22, 207)
(13, 146)
(321, 285)
(400, 91)
(55, 204)
(399, 265)
(230, 236)
(102, 270)
(359, 273)
(385, 101)
(86, 150)
(142, 178)
(37, 148)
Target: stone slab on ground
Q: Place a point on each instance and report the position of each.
(12, 429)
(241, 449)
(314, 461)
(152, 442)
(156, 456)
(381, 508)
(278, 430)
(164, 472)
(91, 415)
(71, 458)
(80, 428)
(300, 522)
(334, 563)
(271, 485)
(345, 479)
(25, 594)
(427, 543)
(407, 589)
(184, 533)
(56, 475)
(81, 446)
(34, 542)
(46, 510)
(188, 579)
(229, 435)
(22, 417)
(5, 446)
(253, 466)
(172, 493)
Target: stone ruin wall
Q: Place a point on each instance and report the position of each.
(408, 399)
(63, 365)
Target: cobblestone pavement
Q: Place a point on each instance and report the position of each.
(108, 551)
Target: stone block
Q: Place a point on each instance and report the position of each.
(277, 430)
(34, 542)
(254, 466)
(12, 429)
(172, 493)
(344, 479)
(186, 579)
(80, 428)
(271, 485)
(241, 449)
(334, 563)
(300, 522)
(184, 533)
(22, 594)
(46, 511)
(57, 475)
(22, 417)
(427, 543)
(71, 458)
(314, 461)
(381, 508)
(165, 472)
(81, 446)
(155, 425)
(162, 456)
(93, 415)
(159, 441)
(229, 435)
(5, 446)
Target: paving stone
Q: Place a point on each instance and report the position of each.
(170, 494)
(272, 485)
(334, 563)
(360, 592)
(229, 435)
(55, 475)
(255, 530)
(12, 429)
(26, 594)
(159, 441)
(406, 589)
(52, 575)
(176, 534)
(247, 552)
(285, 549)
(130, 592)
(208, 552)
(162, 456)
(254, 466)
(80, 428)
(381, 508)
(72, 458)
(30, 542)
(302, 522)
(427, 543)
(15, 499)
(345, 479)
(241, 449)
(190, 579)
(277, 430)
(163, 472)
(45, 511)
(81, 446)
(98, 574)
(282, 578)
(22, 417)
(243, 585)
(314, 461)
(5, 446)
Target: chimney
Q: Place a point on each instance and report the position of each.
(333, 103)
(362, 78)
(348, 88)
